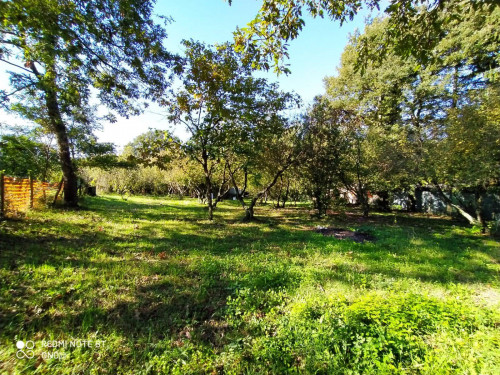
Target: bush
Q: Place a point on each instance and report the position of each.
(138, 180)
(376, 333)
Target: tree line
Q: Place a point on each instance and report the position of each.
(414, 103)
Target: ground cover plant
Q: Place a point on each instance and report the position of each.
(166, 291)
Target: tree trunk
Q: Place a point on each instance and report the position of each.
(479, 209)
(208, 182)
(363, 200)
(366, 207)
(210, 210)
(319, 206)
(59, 128)
(285, 197)
(362, 194)
(318, 202)
(413, 203)
(249, 213)
(384, 201)
(241, 193)
(465, 214)
(210, 200)
(279, 193)
(278, 201)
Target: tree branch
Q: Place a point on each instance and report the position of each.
(17, 66)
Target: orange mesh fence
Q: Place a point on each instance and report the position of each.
(21, 194)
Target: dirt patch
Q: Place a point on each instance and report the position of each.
(343, 234)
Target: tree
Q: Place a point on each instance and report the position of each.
(225, 109)
(463, 152)
(415, 26)
(468, 156)
(323, 150)
(214, 84)
(378, 151)
(153, 148)
(63, 52)
(416, 114)
(273, 153)
(24, 155)
(262, 145)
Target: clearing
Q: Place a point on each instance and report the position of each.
(153, 287)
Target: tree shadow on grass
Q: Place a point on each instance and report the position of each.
(171, 299)
(406, 253)
(175, 284)
(113, 208)
(454, 257)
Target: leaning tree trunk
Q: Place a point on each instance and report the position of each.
(68, 169)
(249, 211)
(241, 193)
(59, 128)
(49, 87)
(471, 219)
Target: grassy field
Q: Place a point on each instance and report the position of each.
(155, 288)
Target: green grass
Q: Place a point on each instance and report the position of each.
(170, 292)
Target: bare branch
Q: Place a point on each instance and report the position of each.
(17, 66)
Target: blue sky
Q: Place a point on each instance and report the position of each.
(313, 55)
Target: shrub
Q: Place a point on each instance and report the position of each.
(375, 333)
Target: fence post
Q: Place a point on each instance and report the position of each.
(31, 191)
(2, 195)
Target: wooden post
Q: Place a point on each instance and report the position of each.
(2, 195)
(31, 191)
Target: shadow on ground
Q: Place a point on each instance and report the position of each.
(162, 270)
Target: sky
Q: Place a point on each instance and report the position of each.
(314, 55)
